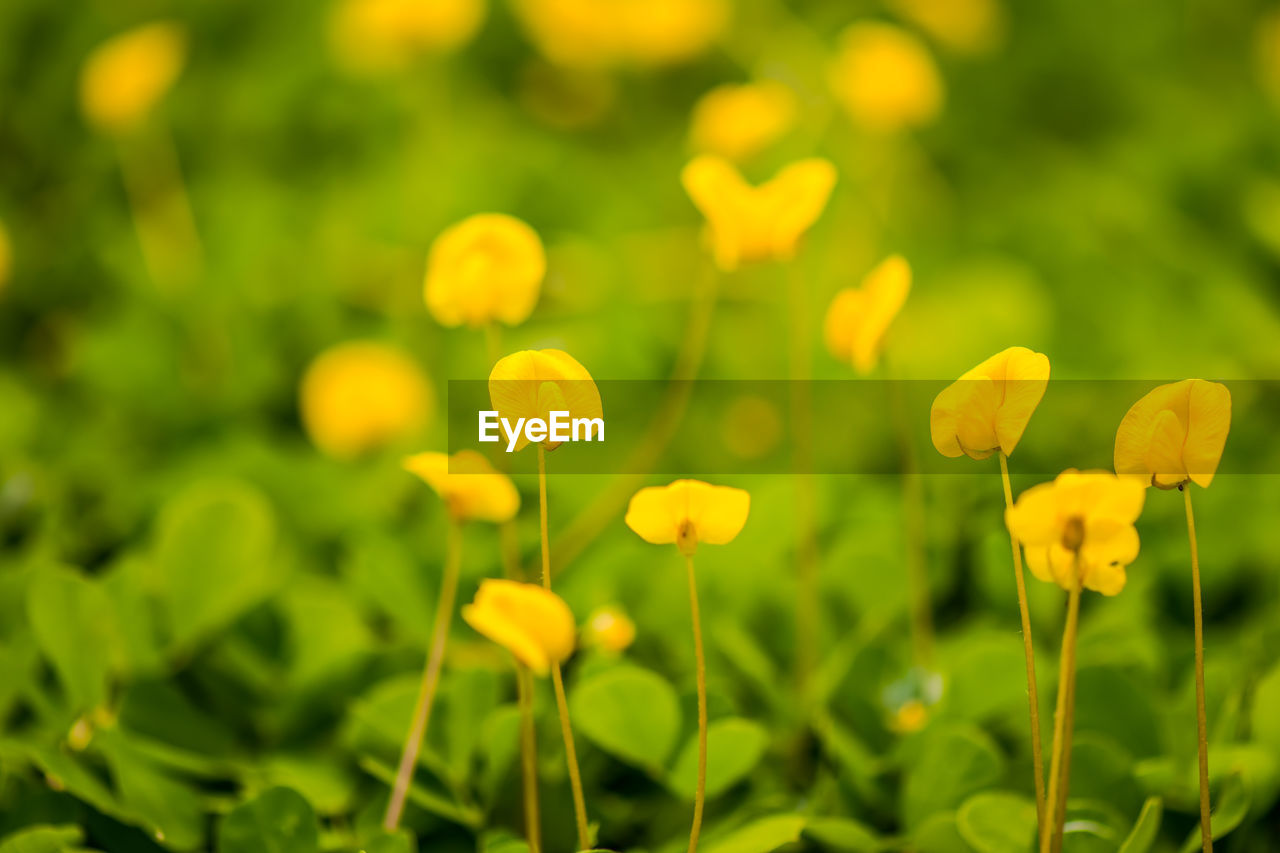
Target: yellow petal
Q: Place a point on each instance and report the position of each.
(1109, 541)
(1033, 519)
(885, 78)
(487, 268)
(794, 199)
(531, 622)
(1038, 563)
(721, 195)
(517, 388)
(1106, 579)
(469, 485)
(840, 325)
(886, 288)
(124, 77)
(737, 121)
(1134, 436)
(962, 418)
(1164, 450)
(1209, 423)
(653, 516)
(1026, 375)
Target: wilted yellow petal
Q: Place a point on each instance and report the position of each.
(1210, 421)
(487, 268)
(987, 409)
(126, 75)
(1175, 433)
(531, 622)
(1026, 375)
(356, 397)
(471, 488)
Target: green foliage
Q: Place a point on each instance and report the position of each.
(630, 712)
(279, 820)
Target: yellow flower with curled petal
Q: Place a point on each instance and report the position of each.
(885, 78)
(387, 35)
(534, 383)
(471, 488)
(1175, 434)
(610, 629)
(987, 409)
(964, 26)
(859, 317)
(362, 395)
(738, 121)
(532, 623)
(607, 33)
(688, 512)
(757, 223)
(487, 268)
(127, 74)
(1078, 530)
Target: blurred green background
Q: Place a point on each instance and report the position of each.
(198, 608)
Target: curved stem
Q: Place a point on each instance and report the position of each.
(562, 705)
(700, 792)
(529, 758)
(808, 602)
(1033, 697)
(1051, 829)
(430, 679)
(1202, 734)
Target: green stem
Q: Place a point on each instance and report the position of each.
(1202, 735)
(430, 679)
(700, 791)
(529, 758)
(1051, 829)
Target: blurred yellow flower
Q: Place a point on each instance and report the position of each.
(387, 35)
(885, 78)
(750, 223)
(1267, 53)
(910, 717)
(986, 410)
(487, 268)
(363, 395)
(610, 629)
(531, 622)
(687, 512)
(738, 121)
(125, 76)
(1078, 530)
(471, 488)
(533, 383)
(964, 26)
(6, 257)
(604, 33)
(1174, 434)
(859, 317)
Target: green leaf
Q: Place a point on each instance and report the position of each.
(279, 820)
(1266, 699)
(1228, 813)
(629, 712)
(1145, 830)
(169, 809)
(400, 841)
(43, 839)
(761, 836)
(998, 822)
(214, 558)
(734, 747)
(838, 833)
(938, 834)
(71, 618)
(955, 762)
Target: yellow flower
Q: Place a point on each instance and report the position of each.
(739, 121)
(468, 485)
(859, 318)
(362, 395)
(909, 718)
(987, 409)
(1174, 434)
(885, 78)
(687, 512)
(1078, 530)
(126, 75)
(605, 33)
(749, 223)
(965, 26)
(6, 257)
(609, 628)
(387, 35)
(532, 623)
(487, 268)
(534, 383)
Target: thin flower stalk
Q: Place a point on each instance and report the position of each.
(529, 759)
(557, 679)
(430, 679)
(1033, 695)
(1059, 762)
(1202, 736)
(700, 792)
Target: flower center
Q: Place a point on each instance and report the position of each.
(687, 538)
(1073, 533)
